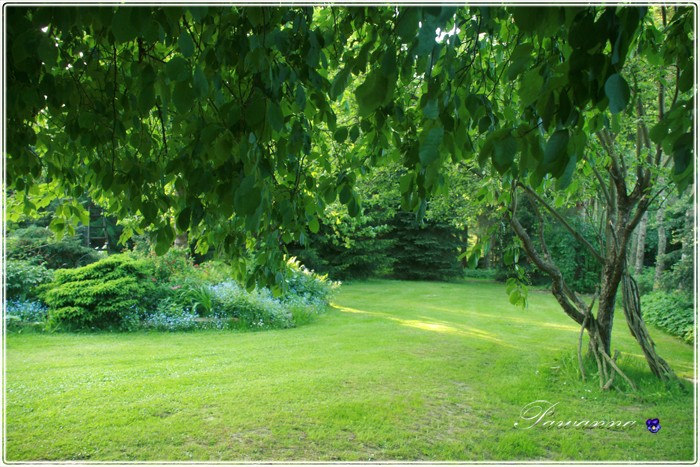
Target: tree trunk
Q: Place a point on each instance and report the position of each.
(661, 249)
(641, 242)
(634, 242)
(635, 322)
(687, 240)
(181, 240)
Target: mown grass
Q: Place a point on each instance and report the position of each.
(396, 371)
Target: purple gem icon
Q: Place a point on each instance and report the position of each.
(653, 425)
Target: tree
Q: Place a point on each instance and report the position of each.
(626, 175)
(214, 121)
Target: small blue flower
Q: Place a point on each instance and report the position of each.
(653, 425)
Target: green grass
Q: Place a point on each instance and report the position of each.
(397, 371)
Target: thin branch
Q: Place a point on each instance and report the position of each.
(564, 223)
(662, 111)
(551, 269)
(599, 177)
(617, 174)
(617, 369)
(580, 344)
(162, 129)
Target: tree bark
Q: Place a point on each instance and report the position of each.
(635, 322)
(181, 240)
(687, 240)
(640, 245)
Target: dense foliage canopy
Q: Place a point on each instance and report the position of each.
(239, 125)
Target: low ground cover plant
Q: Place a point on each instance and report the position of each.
(23, 314)
(672, 312)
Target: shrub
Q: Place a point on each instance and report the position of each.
(673, 313)
(255, 310)
(39, 245)
(309, 286)
(212, 272)
(175, 265)
(22, 277)
(99, 295)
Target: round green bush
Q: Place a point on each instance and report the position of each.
(100, 295)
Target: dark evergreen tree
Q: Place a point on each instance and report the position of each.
(427, 251)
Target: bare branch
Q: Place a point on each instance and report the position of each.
(599, 177)
(580, 344)
(559, 288)
(617, 369)
(618, 175)
(564, 223)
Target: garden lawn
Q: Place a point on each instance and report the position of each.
(396, 371)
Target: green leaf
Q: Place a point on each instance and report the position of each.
(353, 207)
(618, 92)
(659, 131)
(555, 153)
(371, 93)
(147, 98)
(683, 161)
(426, 35)
(407, 24)
(256, 110)
(504, 153)
(354, 133)
(201, 84)
(198, 12)
(685, 80)
(530, 86)
(339, 83)
(520, 59)
(564, 179)
(247, 197)
(341, 134)
(431, 111)
(183, 96)
(345, 194)
(429, 146)
(314, 225)
(183, 219)
(123, 27)
(47, 51)
(107, 180)
(185, 44)
(528, 19)
(300, 97)
(177, 69)
(274, 116)
(164, 240)
(149, 211)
